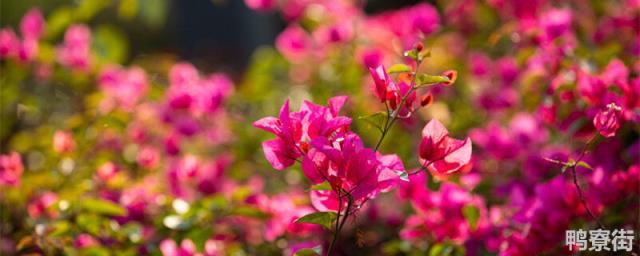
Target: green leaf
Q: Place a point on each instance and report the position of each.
(103, 207)
(471, 214)
(310, 251)
(249, 211)
(322, 186)
(374, 119)
(411, 54)
(399, 68)
(110, 44)
(424, 80)
(585, 165)
(320, 218)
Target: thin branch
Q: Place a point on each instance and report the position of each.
(584, 203)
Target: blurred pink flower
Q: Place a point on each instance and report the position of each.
(168, 247)
(294, 43)
(85, 240)
(75, 52)
(41, 205)
(148, 157)
(10, 169)
(123, 87)
(107, 171)
(261, 5)
(32, 24)
(9, 43)
(63, 142)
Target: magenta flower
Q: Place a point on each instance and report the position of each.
(28, 49)
(10, 169)
(441, 153)
(9, 43)
(123, 87)
(261, 5)
(85, 240)
(76, 49)
(387, 90)
(296, 130)
(606, 121)
(148, 157)
(284, 210)
(294, 43)
(381, 80)
(350, 168)
(32, 24)
(41, 205)
(556, 22)
(168, 247)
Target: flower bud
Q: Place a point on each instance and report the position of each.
(606, 121)
(426, 100)
(452, 75)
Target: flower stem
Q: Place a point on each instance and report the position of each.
(394, 115)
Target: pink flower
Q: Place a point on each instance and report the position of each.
(123, 87)
(556, 22)
(296, 130)
(261, 5)
(10, 169)
(42, 205)
(441, 153)
(84, 241)
(168, 247)
(32, 24)
(284, 209)
(148, 157)
(294, 43)
(350, 168)
(9, 43)
(28, 49)
(387, 90)
(76, 49)
(381, 80)
(606, 121)
(107, 171)
(63, 142)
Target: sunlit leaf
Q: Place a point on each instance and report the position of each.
(320, 218)
(310, 251)
(103, 207)
(399, 68)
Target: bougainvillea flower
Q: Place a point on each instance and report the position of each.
(296, 130)
(10, 169)
(606, 121)
(123, 87)
(168, 247)
(32, 24)
(261, 5)
(41, 205)
(76, 50)
(27, 49)
(294, 43)
(9, 43)
(381, 80)
(63, 142)
(350, 168)
(441, 153)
